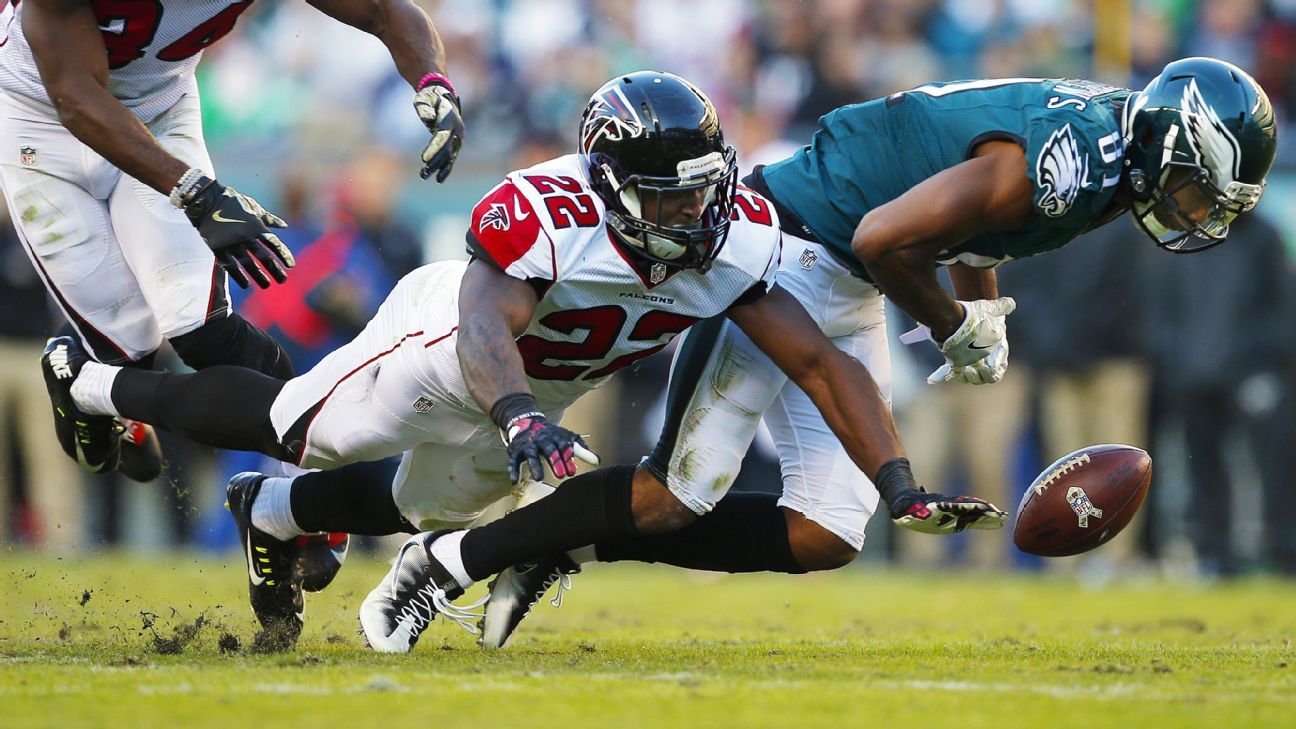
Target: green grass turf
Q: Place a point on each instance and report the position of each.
(654, 646)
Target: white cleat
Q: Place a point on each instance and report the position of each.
(416, 589)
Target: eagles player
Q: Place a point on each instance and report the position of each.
(114, 194)
(967, 175)
(581, 266)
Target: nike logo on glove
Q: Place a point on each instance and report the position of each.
(980, 346)
(222, 219)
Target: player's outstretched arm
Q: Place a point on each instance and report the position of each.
(494, 309)
(416, 49)
(851, 404)
(839, 385)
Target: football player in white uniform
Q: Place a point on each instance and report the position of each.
(564, 289)
(114, 195)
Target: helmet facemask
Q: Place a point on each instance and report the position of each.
(1186, 212)
(650, 204)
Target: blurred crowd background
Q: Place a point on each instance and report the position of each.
(1113, 340)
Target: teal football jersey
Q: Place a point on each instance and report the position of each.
(866, 155)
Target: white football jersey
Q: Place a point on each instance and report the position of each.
(598, 312)
(153, 47)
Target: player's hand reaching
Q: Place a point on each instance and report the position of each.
(533, 440)
(438, 107)
(237, 229)
(913, 508)
(977, 352)
(982, 372)
(939, 514)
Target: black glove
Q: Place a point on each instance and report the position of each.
(438, 107)
(939, 514)
(533, 440)
(913, 508)
(237, 229)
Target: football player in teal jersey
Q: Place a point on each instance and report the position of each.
(970, 174)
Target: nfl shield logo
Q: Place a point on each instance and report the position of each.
(808, 258)
(423, 405)
(657, 273)
(27, 156)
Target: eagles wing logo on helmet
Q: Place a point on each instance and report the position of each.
(1061, 170)
(497, 217)
(1213, 144)
(612, 118)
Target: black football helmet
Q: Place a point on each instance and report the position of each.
(650, 134)
(1201, 138)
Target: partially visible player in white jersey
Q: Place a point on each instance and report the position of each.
(115, 198)
(580, 266)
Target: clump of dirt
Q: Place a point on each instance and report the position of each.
(228, 643)
(85, 597)
(182, 635)
(277, 638)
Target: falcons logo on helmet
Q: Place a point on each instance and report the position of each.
(612, 118)
(497, 217)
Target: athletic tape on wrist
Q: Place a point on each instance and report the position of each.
(894, 479)
(184, 190)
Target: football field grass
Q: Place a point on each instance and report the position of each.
(151, 641)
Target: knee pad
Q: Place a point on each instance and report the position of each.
(233, 341)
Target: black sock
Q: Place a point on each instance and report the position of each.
(585, 509)
(226, 407)
(746, 532)
(232, 340)
(356, 499)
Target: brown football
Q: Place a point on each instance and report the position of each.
(1082, 501)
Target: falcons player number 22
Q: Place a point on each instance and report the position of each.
(128, 27)
(567, 204)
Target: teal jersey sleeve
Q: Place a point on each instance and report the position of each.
(866, 155)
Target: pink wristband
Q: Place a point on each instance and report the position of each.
(434, 77)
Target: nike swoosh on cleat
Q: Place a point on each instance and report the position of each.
(85, 463)
(251, 561)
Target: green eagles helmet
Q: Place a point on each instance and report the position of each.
(1200, 140)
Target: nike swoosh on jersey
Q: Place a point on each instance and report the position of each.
(518, 214)
(251, 560)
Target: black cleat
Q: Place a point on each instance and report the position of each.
(276, 596)
(516, 590)
(319, 559)
(141, 453)
(90, 440)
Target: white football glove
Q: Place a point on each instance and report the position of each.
(977, 352)
(982, 372)
(438, 107)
